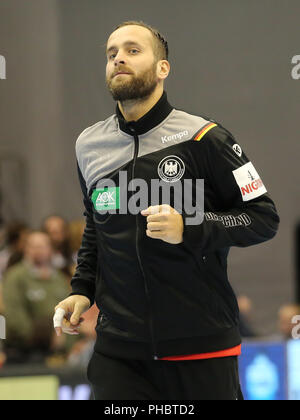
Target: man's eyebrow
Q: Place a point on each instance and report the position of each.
(127, 43)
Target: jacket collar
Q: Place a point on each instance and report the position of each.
(154, 117)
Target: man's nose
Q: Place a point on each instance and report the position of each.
(119, 58)
(117, 62)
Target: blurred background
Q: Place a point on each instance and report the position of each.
(234, 61)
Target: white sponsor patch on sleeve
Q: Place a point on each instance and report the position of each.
(249, 181)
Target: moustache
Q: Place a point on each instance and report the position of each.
(121, 71)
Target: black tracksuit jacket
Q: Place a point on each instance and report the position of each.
(158, 299)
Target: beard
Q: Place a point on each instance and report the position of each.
(137, 87)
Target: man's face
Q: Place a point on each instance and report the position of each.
(130, 52)
(56, 229)
(38, 249)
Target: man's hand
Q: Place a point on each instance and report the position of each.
(164, 223)
(67, 318)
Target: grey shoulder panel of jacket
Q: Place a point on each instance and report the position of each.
(103, 148)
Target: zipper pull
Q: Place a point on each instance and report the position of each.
(131, 129)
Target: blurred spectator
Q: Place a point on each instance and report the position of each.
(246, 307)
(31, 290)
(2, 234)
(285, 315)
(14, 239)
(76, 232)
(58, 230)
(1, 300)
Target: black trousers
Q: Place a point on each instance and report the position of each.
(125, 379)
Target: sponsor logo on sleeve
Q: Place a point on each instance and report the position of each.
(238, 150)
(249, 182)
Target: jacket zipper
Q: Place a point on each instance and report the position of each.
(136, 151)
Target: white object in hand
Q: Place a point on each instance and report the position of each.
(58, 317)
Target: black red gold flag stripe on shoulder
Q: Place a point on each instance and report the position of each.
(204, 130)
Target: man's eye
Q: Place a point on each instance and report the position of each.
(112, 56)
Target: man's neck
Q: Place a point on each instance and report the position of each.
(133, 110)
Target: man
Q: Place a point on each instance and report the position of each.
(168, 325)
(12, 253)
(30, 290)
(58, 230)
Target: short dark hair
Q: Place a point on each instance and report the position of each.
(14, 230)
(161, 48)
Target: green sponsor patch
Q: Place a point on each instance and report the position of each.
(106, 199)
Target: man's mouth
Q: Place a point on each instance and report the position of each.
(121, 72)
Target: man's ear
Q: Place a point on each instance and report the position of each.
(163, 69)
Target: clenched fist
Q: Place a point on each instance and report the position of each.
(165, 223)
(67, 317)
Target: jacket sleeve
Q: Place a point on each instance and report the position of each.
(245, 214)
(84, 280)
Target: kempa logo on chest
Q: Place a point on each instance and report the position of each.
(174, 137)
